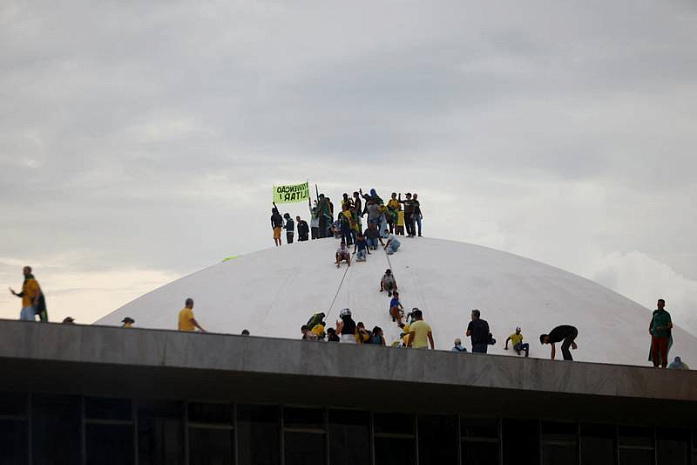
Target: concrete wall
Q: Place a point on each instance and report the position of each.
(92, 360)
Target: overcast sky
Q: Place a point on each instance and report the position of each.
(139, 140)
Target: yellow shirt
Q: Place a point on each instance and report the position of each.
(185, 317)
(405, 338)
(400, 218)
(420, 329)
(31, 290)
(317, 330)
(394, 204)
(516, 338)
(128, 325)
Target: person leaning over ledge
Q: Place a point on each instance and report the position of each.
(564, 333)
(187, 322)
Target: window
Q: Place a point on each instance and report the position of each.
(160, 433)
(559, 443)
(349, 437)
(521, 442)
(480, 441)
(598, 444)
(13, 428)
(211, 434)
(394, 439)
(673, 446)
(258, 435)
(438, 440)
(304, 436)
(56, 425)
(636, 445)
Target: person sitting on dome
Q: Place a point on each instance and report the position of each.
(392, 244)
(342, 253)
(363, 336)
(396, 308)
(678, 364)
(361, 248)
(388, 283)
(372, 236)
(517, 341)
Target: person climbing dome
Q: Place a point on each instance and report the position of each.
(392, 244)
(396, 309)
(346, 327)
(388, 283)
(361, 248)
(378, 336)
(517, 341)
(276, 225)
(565, 333)
(290, 228)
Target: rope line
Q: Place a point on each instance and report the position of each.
(329, 311)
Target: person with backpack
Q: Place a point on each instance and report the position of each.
(458, 347)
(33, 301)
(478, 331)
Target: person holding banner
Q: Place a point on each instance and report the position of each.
(276, 225)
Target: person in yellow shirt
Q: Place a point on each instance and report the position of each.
(420, 335)
(187, 322)
(128, 322)
(32, 298)
(517, 340)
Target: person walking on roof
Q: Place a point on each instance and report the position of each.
(276, 225)
(33, 301)
(518, 345)
(564, 333)
(478, 331)
(187, 322)
(660, 329)
(420, 334)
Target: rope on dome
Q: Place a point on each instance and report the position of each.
(331, 306)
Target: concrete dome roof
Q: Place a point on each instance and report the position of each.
(274, 291)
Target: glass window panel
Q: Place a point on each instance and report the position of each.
(349, 437)
(673, 446)
(554, 454)
(521, 442)
(636, 457)
(108, 409)
(304, 448)
(13, 442)
(56, 432)
(160, 433)
(258, 435)
(636, 436)
(393, 423)
(438, 440)
(307, 418)
(395, 451)
(479, 427)
(210, 413)
(559, 432)
(109, 444)
(210, 446)
(481, 453)
(598, 445)
(13, 404)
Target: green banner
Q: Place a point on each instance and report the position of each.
(291, 193)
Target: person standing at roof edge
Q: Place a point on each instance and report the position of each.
(346, 327)
(418, 216)
(33, 301)
(478, 331)
(660, 329)
(187, 322)
(303, 229)
(128, 322)
(276, 225)
(408, 214)
(518, 345)
(564, 333)
(420, 334)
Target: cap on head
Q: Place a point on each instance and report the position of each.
(345, 312)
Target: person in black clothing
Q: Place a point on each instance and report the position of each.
(478, 331)
(418, 216)
(408, 214)
(289, 227)
(276, 225)
(346, 327)
(564, 333)
(303, 229)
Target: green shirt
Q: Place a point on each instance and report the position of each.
(661, 318)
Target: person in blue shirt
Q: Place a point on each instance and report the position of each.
(396, 308)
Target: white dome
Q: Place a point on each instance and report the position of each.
(274, 291)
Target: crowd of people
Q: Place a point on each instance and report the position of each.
(397, 216)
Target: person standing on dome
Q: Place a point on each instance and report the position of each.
(478, 331)
(187, 322)
(290, 228)
(303, 229)
(660, 329)
(517, 341)
(564, 333)
(346, 327)
(276, 225)
(418, 216)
